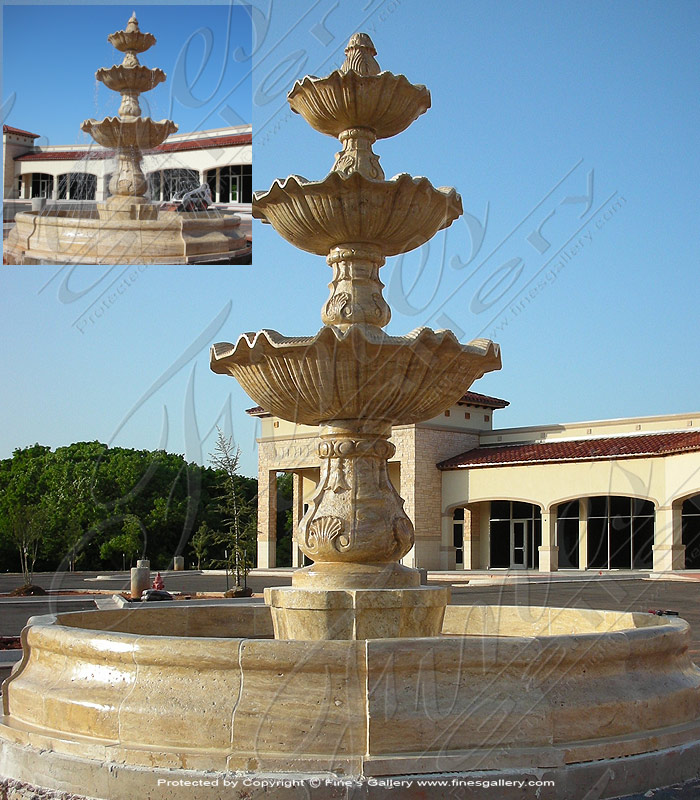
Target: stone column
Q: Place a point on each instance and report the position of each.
(669, 550)
(140, 578)
(548, 551)
(178, 563)
(472, 537)
(583, 533)
(267, 518)
(447, 549)
(297, 514)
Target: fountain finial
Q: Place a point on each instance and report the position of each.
(132, 26)
(360, 56)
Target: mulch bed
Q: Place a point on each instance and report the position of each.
(10, 643)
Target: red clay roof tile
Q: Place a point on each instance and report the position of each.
(613, 447)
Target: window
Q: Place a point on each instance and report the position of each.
(231, 184)
(567, 535)
(620, 533)
(458, 535)
(515, 534)
(42, 185)
(76, 186)
(690, 522)
(167, 184)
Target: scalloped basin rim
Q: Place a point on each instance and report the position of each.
(301, 181)
(308, 380)
(370, 333)
(399, 76)
(137, 122)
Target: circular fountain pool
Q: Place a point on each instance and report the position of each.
(107, 703)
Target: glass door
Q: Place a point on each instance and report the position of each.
(518, 544)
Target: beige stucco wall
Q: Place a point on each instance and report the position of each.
(199, 160)
(659, 479)
(13, 145)
(594, 428)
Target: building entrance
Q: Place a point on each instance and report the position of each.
(515, 533)
(519, 538)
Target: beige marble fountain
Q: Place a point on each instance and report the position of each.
(356, 681)
(351, 378)
(127, 228)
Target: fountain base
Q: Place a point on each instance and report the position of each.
(57, 237)
(313, 614)
(102, 707)
(123, 208)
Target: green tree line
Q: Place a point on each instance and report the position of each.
(89, 506)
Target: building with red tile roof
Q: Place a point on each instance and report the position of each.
(222, 158)
(605, 495)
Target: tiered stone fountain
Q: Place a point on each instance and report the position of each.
(352, 379)
(356, 681)
(126, 229)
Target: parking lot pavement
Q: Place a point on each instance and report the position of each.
(625, 592)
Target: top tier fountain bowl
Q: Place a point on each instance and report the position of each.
(356, 679)
(126, 228)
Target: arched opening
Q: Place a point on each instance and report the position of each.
(690, 522)
(166, 184)
(231, 184)
(515, 534)
(77, 186)
(41, 185)
(620, 533)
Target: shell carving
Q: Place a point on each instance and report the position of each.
(337, 306)
(328, 532)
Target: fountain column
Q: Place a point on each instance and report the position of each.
(352, 379)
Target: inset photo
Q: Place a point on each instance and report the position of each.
(129, 140)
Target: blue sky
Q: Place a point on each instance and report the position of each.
(570, 131)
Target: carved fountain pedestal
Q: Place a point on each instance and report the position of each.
(352, 379)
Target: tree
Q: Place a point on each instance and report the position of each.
(235, 510)
(200, 542)
(126, 543)
(26, 528)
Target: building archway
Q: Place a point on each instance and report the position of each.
(38, 184)
(620, 532)
(231, 184)
(515, 534)
(166, 184)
